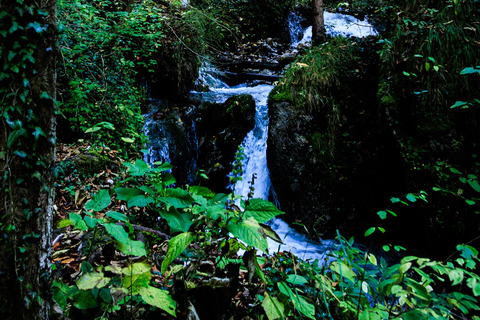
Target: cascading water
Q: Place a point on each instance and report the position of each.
(336, 24)
(255, 143)
(158, 148)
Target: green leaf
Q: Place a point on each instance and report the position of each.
(269, 232)
(474, 284)
(139, 168)
(474, 184)
(344, 270)
(137, 275)
(468, 252)
(127, 140)
(176, 220)
(274, 309)
(117, 216)
(99, 201)
(126, 193)
(202, 191)
(296, 279)
(410, 197)
(261, 210)
(78, 221)
(369, 231)
(132, 248)
(15, 135)
(470, 70)
(91, 222)
(158, 298)
(250, 232)
(455, 170)
(419, 290)
(176, 246)
(84, 300)
(91, 280)
(177, 198)
(116, 231)
(64, 223)
(456, 276)
(382, 214)
(459, 104)
(140, 200)
(394, 200)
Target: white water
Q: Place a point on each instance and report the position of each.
(336, 24)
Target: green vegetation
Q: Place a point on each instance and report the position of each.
(146, 247)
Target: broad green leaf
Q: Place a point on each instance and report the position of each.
(344, 270)
(136, 268)
(459, 104)
(99, 201)
(117, 216)
(369, 231)
(15, 135)
(116, 231)
(456, 276)
(126, 193)
(474, 284)
(158, 298)
(177, 198)
(137, 276)
(250, 232)
(91, 280)
(137, 169)
(474, 184)
(176, 246)
(419, 290)
(410, 197)
(84, 300)
(261, 210)
(382, 214)
(274, 309)
(132, 248)
(415, 314)
(140, 200)
(178, 221)
(470, 70)
(468, 252)
(91, 222)
(296, 279)
(202, 191)
(78, 221)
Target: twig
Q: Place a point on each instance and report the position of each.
(149, 230)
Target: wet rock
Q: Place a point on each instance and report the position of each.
(221, 129)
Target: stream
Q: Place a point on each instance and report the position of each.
(255, 143)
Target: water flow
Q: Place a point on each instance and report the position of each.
(336, 24)
(158, 147)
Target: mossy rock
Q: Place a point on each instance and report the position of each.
(89, 163)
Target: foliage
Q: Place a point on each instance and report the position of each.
(250, 15)
(197, 216)
(316, 82)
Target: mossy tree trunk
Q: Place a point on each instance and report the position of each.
(318, 28)
(27, 150)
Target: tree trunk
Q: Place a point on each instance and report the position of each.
(318, 28)
(27, 151)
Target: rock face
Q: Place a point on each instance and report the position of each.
(326, 177)
(220, 129)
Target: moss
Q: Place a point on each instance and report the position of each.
(279, 94)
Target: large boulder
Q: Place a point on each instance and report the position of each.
(332, 164)
(220, 130)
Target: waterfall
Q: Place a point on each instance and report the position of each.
(336, 24)
(158, 147)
